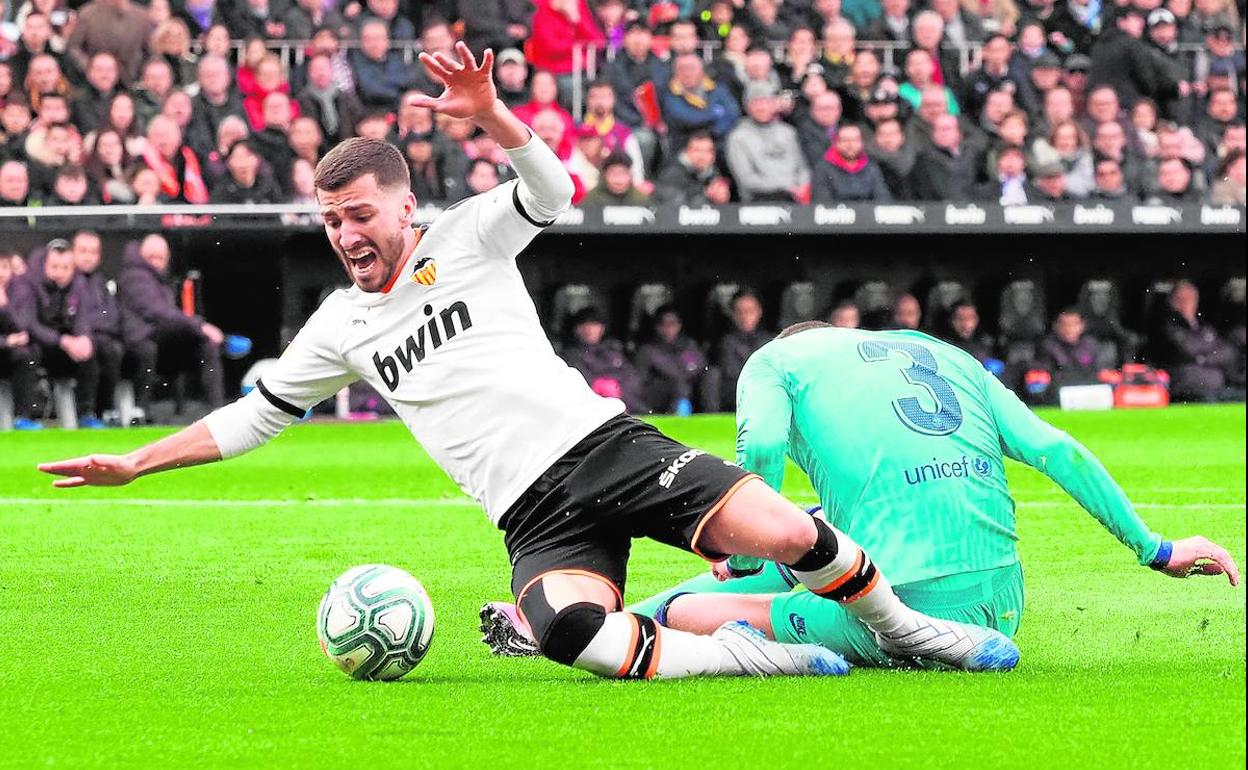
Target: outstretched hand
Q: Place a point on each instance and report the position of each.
(1198, 556)
(92, 470)
(468, 87)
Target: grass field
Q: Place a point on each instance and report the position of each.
(171, 624)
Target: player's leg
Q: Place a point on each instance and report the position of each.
(576, 616)
(753, 520)
(772, 579)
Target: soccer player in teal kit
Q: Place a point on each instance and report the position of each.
(904, 439)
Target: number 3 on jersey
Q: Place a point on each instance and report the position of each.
(922, 372)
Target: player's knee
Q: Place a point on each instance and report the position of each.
(570, 631)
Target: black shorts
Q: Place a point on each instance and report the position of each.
(624, 480)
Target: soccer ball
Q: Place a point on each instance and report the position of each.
(375, 622)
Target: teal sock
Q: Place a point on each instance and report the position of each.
(770, 581)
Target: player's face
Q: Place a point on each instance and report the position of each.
(368, 228)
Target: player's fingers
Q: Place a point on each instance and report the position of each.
(447, 62)
(487, 61)
(434, 67)
(421, 100)
(1225, 563)
(73, 481)
(65, 467)
(465, 55)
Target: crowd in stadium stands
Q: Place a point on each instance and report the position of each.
(692, 101)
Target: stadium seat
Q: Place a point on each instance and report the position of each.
(941, 300)
(798, 302)
(569, 300)
(718, 311)
(875, 304)
(1100, 304)
(646, 300)
(66, 408)
(1021, 322)
(1231, 307)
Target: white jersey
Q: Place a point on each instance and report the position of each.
(454, 345)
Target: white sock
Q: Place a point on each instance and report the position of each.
(852, 580)
(634, 647)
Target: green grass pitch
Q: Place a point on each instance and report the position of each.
(170, 624)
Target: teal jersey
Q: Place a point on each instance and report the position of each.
(904, 438)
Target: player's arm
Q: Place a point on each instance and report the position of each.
(544, 190)
(307, 373)
(1028, 439)
(764, 417)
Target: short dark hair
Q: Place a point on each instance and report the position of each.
(803, 326)
(358, 156)
(599, 83)
(699, 135)
(617, 158)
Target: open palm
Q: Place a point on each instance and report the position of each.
(469, 88)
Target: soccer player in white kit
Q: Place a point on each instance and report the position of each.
(440, 323)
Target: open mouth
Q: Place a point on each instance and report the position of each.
(362, 263)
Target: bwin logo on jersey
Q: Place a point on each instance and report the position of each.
(425, 272)
(438, 331)
(669, 475)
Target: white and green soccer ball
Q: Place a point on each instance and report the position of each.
(375, 622)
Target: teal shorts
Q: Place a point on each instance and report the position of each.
(992, 598)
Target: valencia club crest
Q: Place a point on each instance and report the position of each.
(425, 272)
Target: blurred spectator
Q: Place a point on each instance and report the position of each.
(273, 142)
(45, 77)
(846, 173)
(1072, 26)
(634, 74)
(381, 75)
(544, 95)
(693, 102)
(736, 346)
(927, 33)
(1228, 187)
(1049, 183)
(146, 187)
(1067, 145)
(587, 156)
(558, 27)
(861, 85)
(52, 307)
(426, 176)
(692, 180)
(155, 85)
(70, 187)
(1173, 68)
(1221, 110)
(243, 183)
(616, 137)
(304, 17)
(601, 361)
(1075, 72)
(1009, 185)
(945, 171)
(176, 167)
(673, 370)
(91, 103)
(335, 110)
(497, 24)
(436, 37)
(14, 128)
(765, 22)
(845, 316)
(1070, 356)
(172, 42)
(269, 80)
(216, 99)
(817, 129)
(907, 313)
(838, 52)
(961, 27)
(15, 352)
(1110, 141)
(303, 183)
(1174, 184)
(1122, 60)
(919, 76)
(103, 318)
(763, 152)
(896, 158)
(994, 74)
(1109, 183)
(258, 18)
(801, 60)
(232, 129)
(548, 126)
(892, 24)
(178, 108)
(106, 166)
(399, 27)
(14, 184)
(511, 75)
(115, 26)
(35, 40)
(155, 329)
(965, 333)
(1196, 356)
(306, 141)
(616, 186)
(1144, 125)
